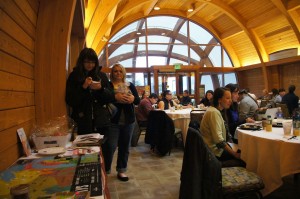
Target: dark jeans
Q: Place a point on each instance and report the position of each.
(118, 136)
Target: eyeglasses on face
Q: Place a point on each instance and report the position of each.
(89, 62)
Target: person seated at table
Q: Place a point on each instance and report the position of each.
(247, 106)
(145, 94)
(208, 96)
(145, 106)
(251, 94)
(290, 99)
(273, 98)
(166, 102)
(232, 114)
(281, 94)
(265, 95)
(185, 100)
(213, 130)
(176, 99)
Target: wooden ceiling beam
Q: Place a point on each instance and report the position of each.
(198, 6)
(240, 22)
(126, 9)
(150, 7)
(293, 5)
(283, 10)
(262, 19)
(231, 32)
(296, 16)
(101, 13)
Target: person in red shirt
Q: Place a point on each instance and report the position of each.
(145, 106)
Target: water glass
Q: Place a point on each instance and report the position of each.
(287, 127)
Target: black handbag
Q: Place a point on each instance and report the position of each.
(102, 115)
(112, 109)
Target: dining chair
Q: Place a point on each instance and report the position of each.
(137, 131)
(284, 109)
(263, 103)
(160, 132)
(203, 177)
(196, 116)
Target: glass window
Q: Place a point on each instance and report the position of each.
(206, 80)
(138, 79)
(155, 60)
(165, 22)
(165, 40)
(227, 60)
(177, 61)
(199, 35)
(229, 78)
(215, 56)
(127, 29)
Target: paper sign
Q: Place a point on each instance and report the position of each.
(24, 141)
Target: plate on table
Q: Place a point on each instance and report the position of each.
(52, 151)
(252, 127)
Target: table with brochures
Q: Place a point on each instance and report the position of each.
(76, 170)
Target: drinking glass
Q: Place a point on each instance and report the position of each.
(287, 127)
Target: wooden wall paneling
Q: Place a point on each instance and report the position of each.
(14, 48)
(15, 83)
(11, 137)
(273, 74)
(15, 66)
(18, 16)
(34, 5)
(17, 49)
(10, 146)
(16, 32)
(27, 10)
(9, 156)
(12, 99)
(14, 117)
(252, 79)
(52, 41)
(291, 75)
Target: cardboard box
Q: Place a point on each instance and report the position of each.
(51, 141)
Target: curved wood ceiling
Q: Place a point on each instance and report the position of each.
(250, 30)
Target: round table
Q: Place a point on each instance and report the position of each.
(270, 155)
(181, 119)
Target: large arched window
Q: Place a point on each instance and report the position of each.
(167, 40)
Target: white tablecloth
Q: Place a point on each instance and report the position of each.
(270, 155)
(181, 120)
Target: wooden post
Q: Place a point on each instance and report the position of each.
(52, 41)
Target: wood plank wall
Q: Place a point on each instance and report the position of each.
(252, 79)
(290, 74)
(17, 48)
(278, 76)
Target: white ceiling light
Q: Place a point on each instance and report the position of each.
(156, 8)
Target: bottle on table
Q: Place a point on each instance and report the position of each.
(269, 123)
(296, 124)
(279, 115)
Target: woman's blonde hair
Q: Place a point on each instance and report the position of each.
(123, 72)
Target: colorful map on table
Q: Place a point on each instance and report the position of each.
(45, 176)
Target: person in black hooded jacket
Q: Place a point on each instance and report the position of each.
(87, 87)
